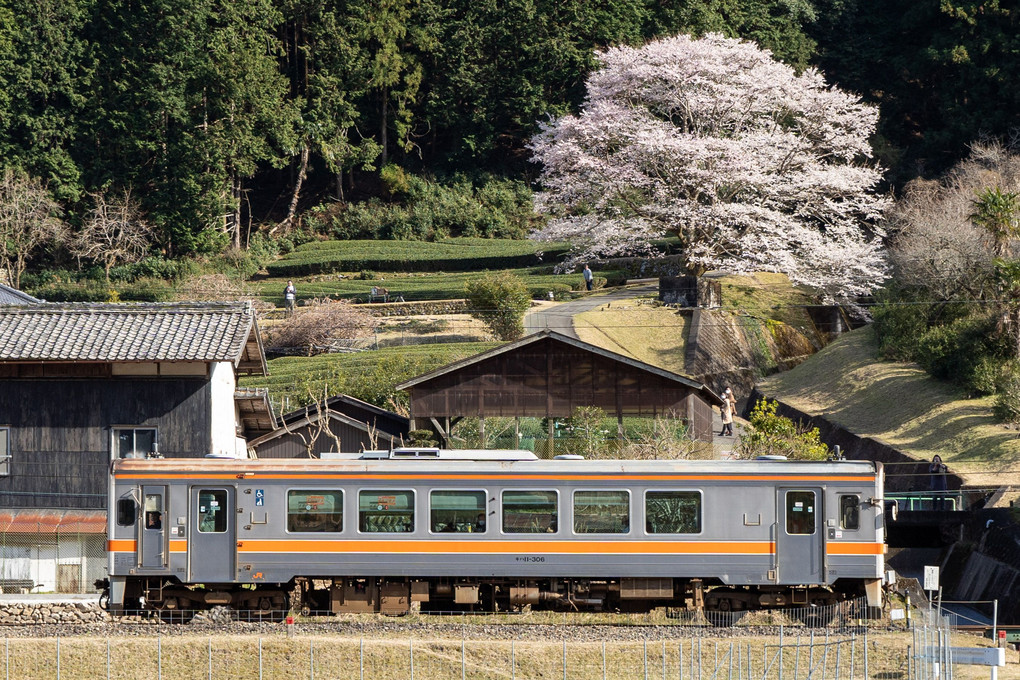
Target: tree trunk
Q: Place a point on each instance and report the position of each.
(382, 130)
(236, 236)
(302, 173)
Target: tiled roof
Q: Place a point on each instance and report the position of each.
(13, 296)
(129, 332)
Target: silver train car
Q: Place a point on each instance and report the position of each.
(490, 531)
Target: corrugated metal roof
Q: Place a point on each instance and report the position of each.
(126, 332)
(53, 521)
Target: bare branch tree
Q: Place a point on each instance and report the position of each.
(29, 217)
(116, 231)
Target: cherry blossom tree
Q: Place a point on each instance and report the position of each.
(752, 166)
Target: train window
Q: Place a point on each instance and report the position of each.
(601, 512)
(800, 512)
(127, 510)
(457, 511)
(212, 511)
(386, 511)
(673, 512)
(154, 511)
(530, 512)
(315, 511)
(849, 513)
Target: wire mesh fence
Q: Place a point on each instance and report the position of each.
(51, 558)
(931, 649)
(314, 657)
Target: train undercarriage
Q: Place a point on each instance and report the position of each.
(397, 596)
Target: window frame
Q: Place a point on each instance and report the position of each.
(857, 504)
(121, 514)
(701, 511)
(556, 515)
(816, 499)
(6, 455)
(485, 509)
(318, 489)
(226, 515)
(412, 506)
(573, 512)
(115, 431)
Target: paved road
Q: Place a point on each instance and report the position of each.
(560, 317)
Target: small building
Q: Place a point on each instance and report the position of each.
(548, 375)
(81, 384)
(342, 424)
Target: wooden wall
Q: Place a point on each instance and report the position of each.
(291, 445)
(61, 432)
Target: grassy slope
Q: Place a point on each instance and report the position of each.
(654, 335)
(901, 405)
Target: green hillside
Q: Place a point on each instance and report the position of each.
(901, 405)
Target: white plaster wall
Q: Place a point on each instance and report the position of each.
(223, 383)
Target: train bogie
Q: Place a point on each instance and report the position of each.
(386, 535)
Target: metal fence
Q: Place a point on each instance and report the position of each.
(804, 657)
(931, 653)
(51, 561)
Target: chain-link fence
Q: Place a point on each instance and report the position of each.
(48, 558)
(314, 657)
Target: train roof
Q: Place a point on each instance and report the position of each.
(246, 467)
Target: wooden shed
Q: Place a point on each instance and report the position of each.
(548, 375)
(341, 424)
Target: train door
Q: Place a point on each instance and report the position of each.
(211, 546)
(800, 541)
(152, 551)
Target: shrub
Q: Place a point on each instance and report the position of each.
(588, 431)
(770, 434)
(500, 300)
(1007, 401)
(67, 291)
(146, 290)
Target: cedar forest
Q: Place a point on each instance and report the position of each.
(222, 118)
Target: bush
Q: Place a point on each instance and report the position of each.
(500, 300)
(770, 434)
(1007, 402)
(146, 290)
(68, 291)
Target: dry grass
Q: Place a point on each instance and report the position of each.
(901, 405)
(442, 658)
(652, 334)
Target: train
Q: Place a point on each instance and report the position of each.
(454, 531)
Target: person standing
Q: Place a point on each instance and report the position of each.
(727, 409)
(937, 470)
(589, 278)
(289, 295)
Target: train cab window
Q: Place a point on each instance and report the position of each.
(457, 511)
(386, 511)
(601, 512)
(530, 512)
(127, 510)
(154, 511)
(673, 512)
(317, 511)
(212, 511)
(849, 513)
(800, 512)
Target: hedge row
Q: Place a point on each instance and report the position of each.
(458, 254)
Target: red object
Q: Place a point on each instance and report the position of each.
(1002, 635)
(290, 620)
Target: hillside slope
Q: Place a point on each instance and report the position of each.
(900, 404)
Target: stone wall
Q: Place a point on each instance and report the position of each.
(29, 613)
